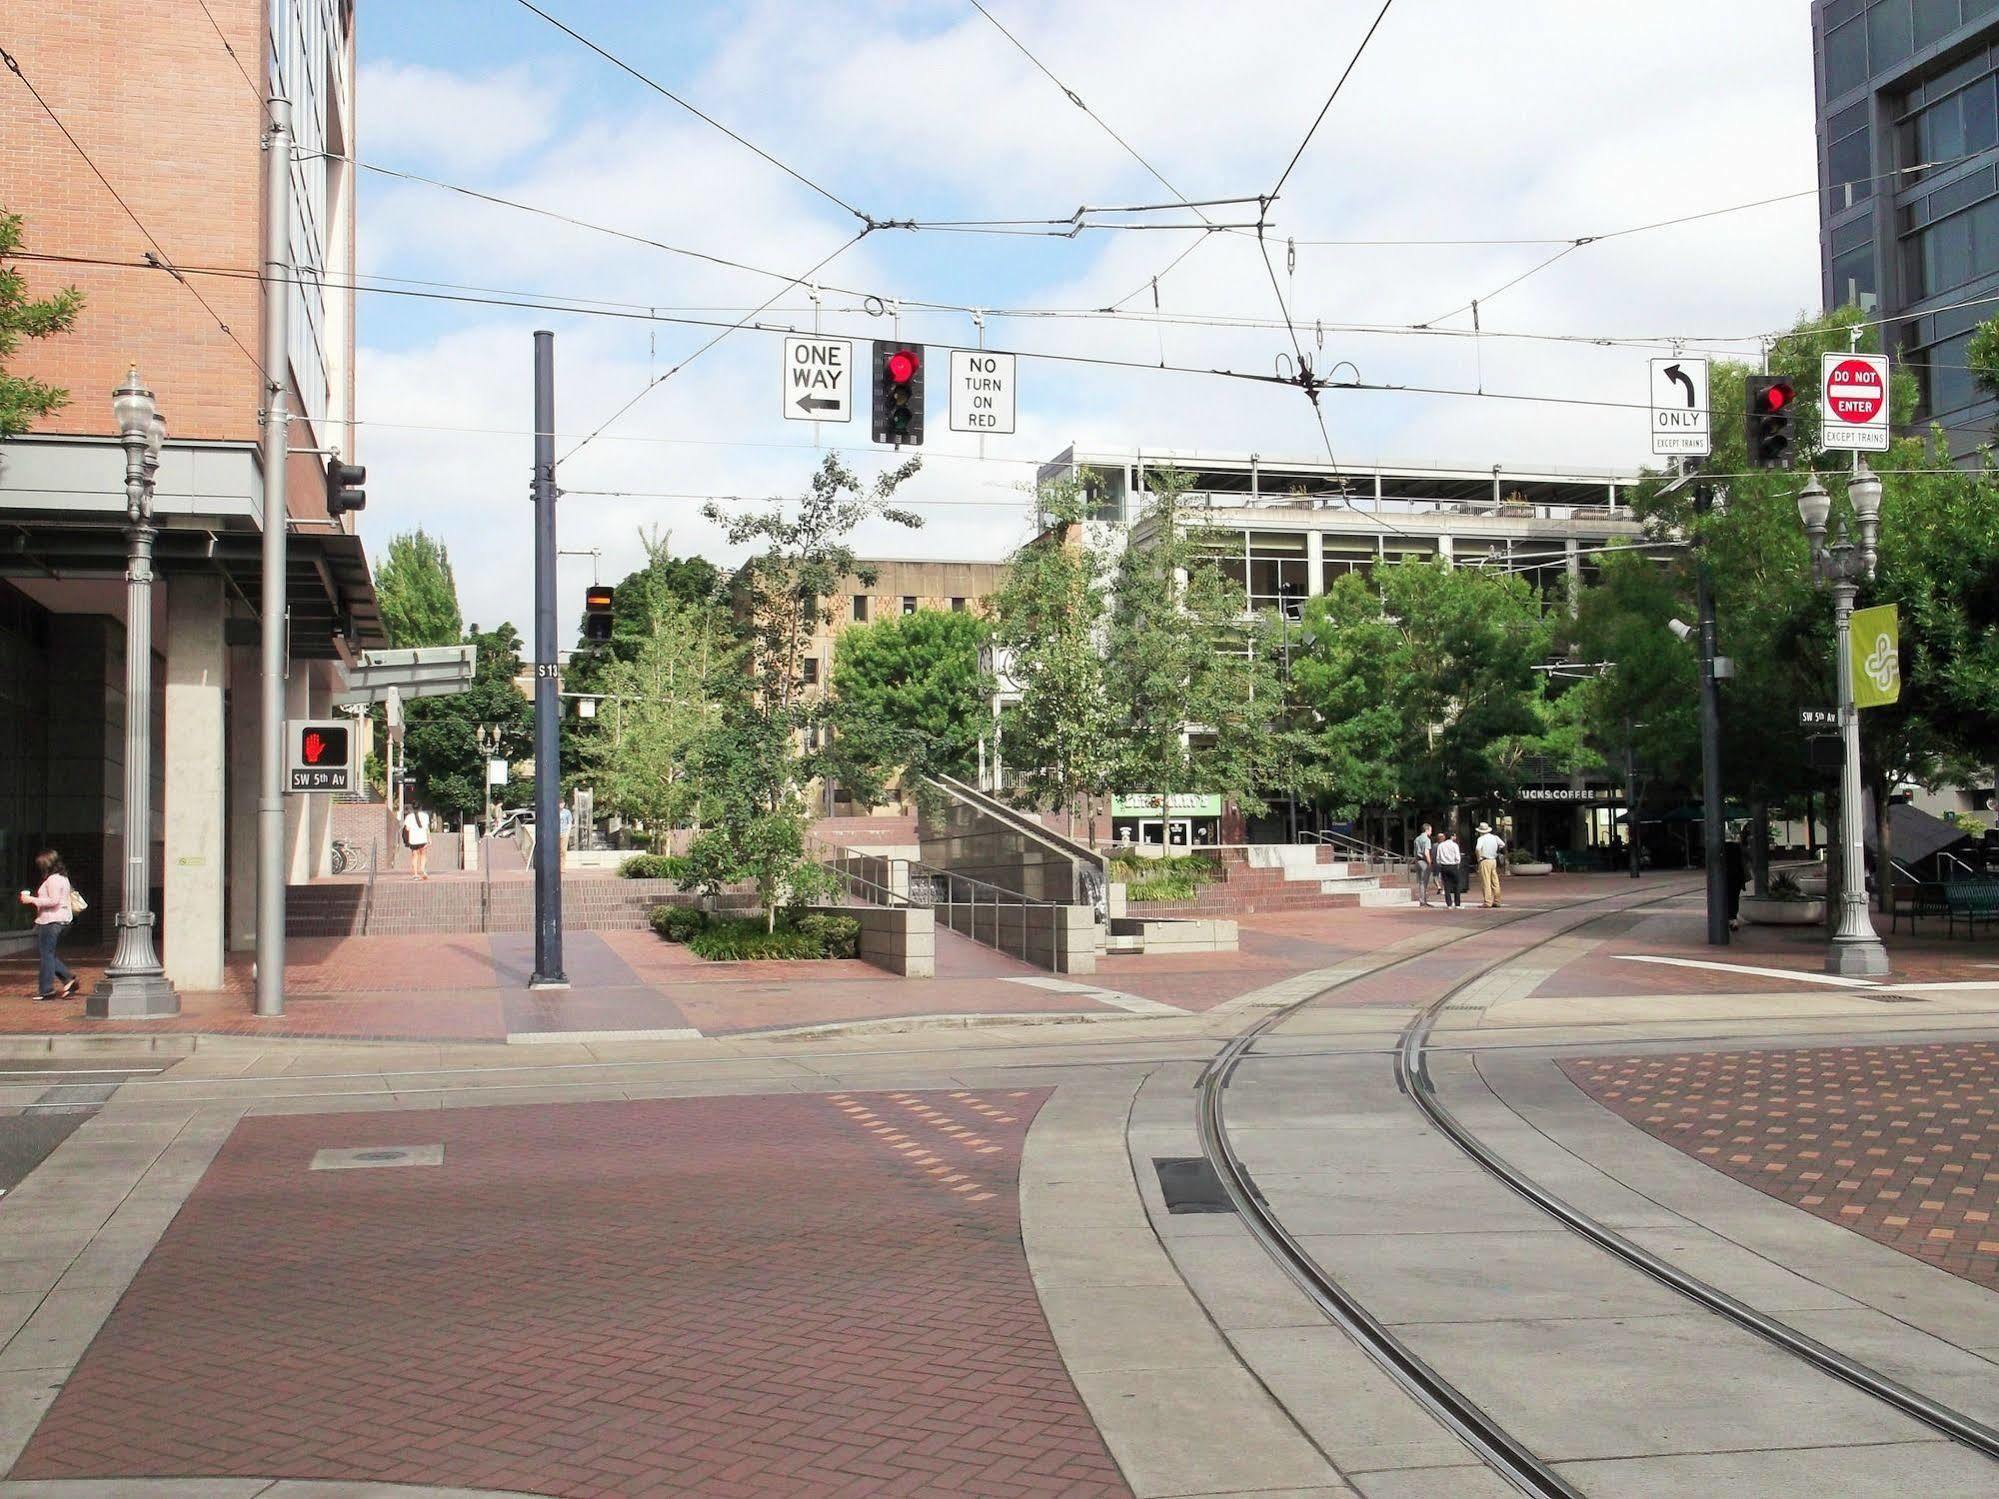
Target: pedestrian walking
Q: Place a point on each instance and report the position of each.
(1735, 862)
(1423, 866)
(416, 838)
(1489, 847)
(568, 820)
(56, 904)
(1450, 868)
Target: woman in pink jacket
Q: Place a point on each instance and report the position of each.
(53, 912)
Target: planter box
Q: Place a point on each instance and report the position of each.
(1766, 911)
(1531, 870)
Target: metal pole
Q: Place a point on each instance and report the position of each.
(1631, 799)
(134, 983)
(547, 705)
(276, 451)
(1855, 950)
(1714, 830)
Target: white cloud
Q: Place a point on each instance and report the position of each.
(1464, 120)
(410, 113)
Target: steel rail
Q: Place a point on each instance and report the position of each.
(1412, 1074)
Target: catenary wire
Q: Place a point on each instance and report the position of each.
(664, 92)
(165, 260)
(1285, 175)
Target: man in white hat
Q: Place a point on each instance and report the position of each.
(1489, 847)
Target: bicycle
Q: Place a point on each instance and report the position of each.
(344, 856)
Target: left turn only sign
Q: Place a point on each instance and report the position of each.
(818, 378)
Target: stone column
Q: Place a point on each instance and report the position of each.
(1315, 563)
(195, 763)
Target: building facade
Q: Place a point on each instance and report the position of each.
(1285, 529)
(171, 112)
(1908, 122)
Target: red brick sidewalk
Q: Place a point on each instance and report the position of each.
(724, 1297)
(1894, 1142)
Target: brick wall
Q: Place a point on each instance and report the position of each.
(401, 907)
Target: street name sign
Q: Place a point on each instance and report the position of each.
(1679, 409)
(818, 378)
(1853, 403)
(1818, 718)
(320, 755)
(981, 391)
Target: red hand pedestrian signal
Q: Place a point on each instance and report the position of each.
(315, 748)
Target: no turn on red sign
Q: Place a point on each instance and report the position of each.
(1853, 403)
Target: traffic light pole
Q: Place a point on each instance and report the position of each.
(548, 972)
(1714, 828)
(277, 513)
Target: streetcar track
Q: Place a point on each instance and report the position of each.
(1478, 1429)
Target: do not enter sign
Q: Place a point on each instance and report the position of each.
(1853, 402)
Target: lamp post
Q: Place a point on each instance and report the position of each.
(135, 984)
(1855, 950)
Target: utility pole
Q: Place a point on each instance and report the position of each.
(547, 705)
(1631, 796)
(1714, 829)
(277, 516)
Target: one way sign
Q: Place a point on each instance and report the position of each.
(1679, 408)
(818, 378)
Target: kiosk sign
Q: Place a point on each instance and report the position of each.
(1853, 403)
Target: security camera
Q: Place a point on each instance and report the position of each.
(1680, 628)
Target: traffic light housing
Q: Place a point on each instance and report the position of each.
(343, 488)
(599, 604)
(898, 409)
(1770, 403)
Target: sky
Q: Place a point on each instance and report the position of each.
(1536, 121)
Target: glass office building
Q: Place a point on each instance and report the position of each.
(1908, 123)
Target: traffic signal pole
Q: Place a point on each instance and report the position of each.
(276, 451)
(1714, 827)
(548, 972)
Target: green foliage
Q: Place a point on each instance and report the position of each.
(1422, 679)
(1048, 619)
(808, 937)
(1187, 658)
(654, 867)
(441, 736)
(908, 695)
(22, 400)
(677, 923)
(1982, 354)
(1171, 878)
(751, 758)
(418, 595)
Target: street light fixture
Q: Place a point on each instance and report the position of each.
(1855, 950)
(135, 984)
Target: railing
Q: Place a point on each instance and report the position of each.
(1358, 850)
(857, 885)
(949, 891)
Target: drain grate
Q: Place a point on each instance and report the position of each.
(1895, 999)
(358, 1158)
(1189, 1185)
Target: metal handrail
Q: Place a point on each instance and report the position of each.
(1358, 849)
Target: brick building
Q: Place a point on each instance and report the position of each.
(170, 110)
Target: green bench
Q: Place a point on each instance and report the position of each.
(1971, 901)
(1913, 902)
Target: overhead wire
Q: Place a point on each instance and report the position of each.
(165, 261)
(666, 93)
(1340, 83)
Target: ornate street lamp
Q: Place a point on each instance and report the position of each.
(1855, 950)
(135, 984)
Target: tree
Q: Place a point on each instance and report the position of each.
(441, 734)
(418, 596)
(763, 746)
(1195, 693)
(909, 696)
(1048, 622)
(1982, 354)
(22, 400)
(1422, 677)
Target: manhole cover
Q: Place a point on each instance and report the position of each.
(378, 1157)
(1189, 1185)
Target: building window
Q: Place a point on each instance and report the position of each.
(909, 603)
(1849, 156)
(1845, 58)
(811, 671)
(1853, 271)
(1935, 19)
(860, 608)
(1888, 38)
(957, 606)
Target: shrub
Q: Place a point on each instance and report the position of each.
(654, 867)
(677, 923)
(1177, 877)
(806, 937)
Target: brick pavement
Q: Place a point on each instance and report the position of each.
(778, 1295)
(1894, 1142)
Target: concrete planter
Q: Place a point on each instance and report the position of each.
(1531, 870)
(1763, 910)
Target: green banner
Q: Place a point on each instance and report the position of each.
(1184, 804)
(1877, 657)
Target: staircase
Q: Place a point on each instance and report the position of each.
(1279, 877)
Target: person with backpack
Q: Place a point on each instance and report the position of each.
(416, 838)
(56, 904)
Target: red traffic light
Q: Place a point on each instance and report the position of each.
(901, 366)
(1775, 396)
